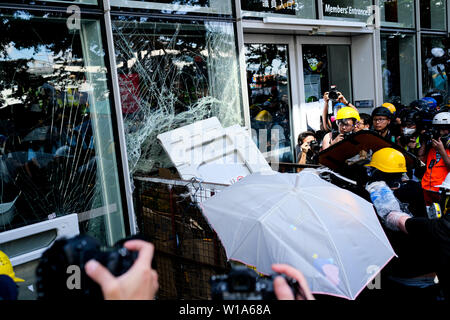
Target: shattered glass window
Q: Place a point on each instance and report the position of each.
(178, 6)
(57, 149)
(172, 75)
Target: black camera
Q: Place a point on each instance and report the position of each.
(315, 146)
(242, 283)
(333, 94)
(60, 273)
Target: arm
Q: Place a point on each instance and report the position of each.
(326, 141)
(439, 146)
(325, 122)
(342, 99)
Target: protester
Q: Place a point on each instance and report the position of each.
(436, 155)
(381, 119)
(328, 121)
(434, 232)
(8, 279)
(346, 119)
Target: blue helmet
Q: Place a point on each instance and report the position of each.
(431, 102)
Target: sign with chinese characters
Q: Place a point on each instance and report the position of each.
(360, 10)
(273, 6)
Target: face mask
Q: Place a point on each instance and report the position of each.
(408, 131)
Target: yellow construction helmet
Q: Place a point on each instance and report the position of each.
(264, 115)
(388, 160)
(347, 113)
(389, 106)
(7, 268)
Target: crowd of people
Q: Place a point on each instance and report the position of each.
(422, 241)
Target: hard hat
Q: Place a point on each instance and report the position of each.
(388, 160)
(7, 268)
(442, 118)
(264, 115)
(432, 104)
(390, 106)
(347, 113)
(437, 95)
(382, 111)
(446, 183)
(418, 105)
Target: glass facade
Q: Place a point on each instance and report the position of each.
(171, 75)
(433, 14)
(58, 152)
(178, 6)
(269, 97)
(305, 9)
(398, 63)
(434, 71)
(397, 13)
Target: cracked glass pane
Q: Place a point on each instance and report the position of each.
(171, 75)
(56, 139)
(180, 7)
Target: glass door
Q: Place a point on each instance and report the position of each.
(269, 83)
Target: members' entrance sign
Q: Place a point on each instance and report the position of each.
(360, 10)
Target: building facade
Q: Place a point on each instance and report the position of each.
(87, 85)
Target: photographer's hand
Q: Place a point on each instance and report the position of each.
(305, 147)
(339, 138)
(140, 282)
(282, 289)
(438, 145)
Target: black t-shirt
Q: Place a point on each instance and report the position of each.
(438, 233)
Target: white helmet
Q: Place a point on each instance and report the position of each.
(446, 183)
(442, 118)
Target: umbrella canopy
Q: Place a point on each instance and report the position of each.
(330, 234)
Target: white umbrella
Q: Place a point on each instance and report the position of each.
(330, 234)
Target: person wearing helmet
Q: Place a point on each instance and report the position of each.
(381, 119)
(327, 122)
(436, 155)
(433, 232)
(409, 134)
(8, 279)
(410, 274)
(437, 95)
(346, 120)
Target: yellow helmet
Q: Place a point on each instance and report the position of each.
(7, 268)
(346, 113)
(389, 106)
(263, 115)
(388, 160)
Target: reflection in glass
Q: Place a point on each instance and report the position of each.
(57, 146)
(305, 9)
(434, 73)
(323, 66)
(433, 14)
(269, 99)
(178, 6)
(398, 63)
(172, 75)
(71, 1)
(397, 13)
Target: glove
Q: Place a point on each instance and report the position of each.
(383, 198)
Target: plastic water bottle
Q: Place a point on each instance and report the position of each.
(383, 198)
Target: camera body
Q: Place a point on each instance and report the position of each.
(66, 258)
(242, 283)
(315, 146)
(333, 94)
